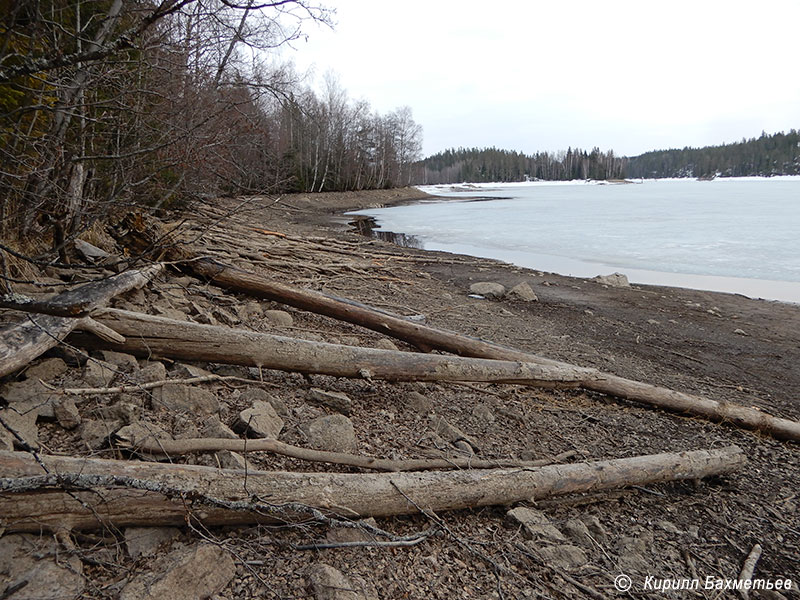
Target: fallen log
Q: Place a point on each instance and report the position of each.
(57, 492)
(23, 342)
(173, 448)
(149, 335)
(430, 338)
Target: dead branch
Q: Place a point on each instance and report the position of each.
(55, 492)
(180, 447)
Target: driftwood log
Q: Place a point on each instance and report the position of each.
(149, 335)
(23, 342)
(57, 492)
(430, 338)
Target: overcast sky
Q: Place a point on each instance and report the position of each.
(544, 75)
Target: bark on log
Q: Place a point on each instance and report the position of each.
(103, 493)
(430, 338)
(148, 335)
(23, 342)
(173, 448)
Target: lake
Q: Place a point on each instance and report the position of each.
(731, 235)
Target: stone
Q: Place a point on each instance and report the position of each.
(352, 534)
(66, 413)
(249, 311)
(98, 373)
(140, 432)
(184, 427)
(95, 434)
(327, 583)
(419, 403)
(484, 414)
(6, 439)
(596, 528)
(613, 280)
(36, 560)
(334, 433)
(254, 393)
(534, 524)
(125, 410)
(224, 316)
(281, 318)
(578, 532)
(213, 427)
(178, 397)
(146, 541)
(740, 332)
(30, 393)
(232, 460)
(523, 291)
(563, 556)
(20, 419)
(259, 421)
(384, 344)
(186, 574)
(185, 371)
(89, 251)
(47, 370)
(333, 400)
(453, 434)
(152, 371)
(488, 289)
(124, 362)
(633, 553)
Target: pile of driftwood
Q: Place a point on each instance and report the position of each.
(40, 491)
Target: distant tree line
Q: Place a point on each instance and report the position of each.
(492, 164)
(112, 103)
(768, 155)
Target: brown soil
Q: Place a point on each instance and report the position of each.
(683, 339)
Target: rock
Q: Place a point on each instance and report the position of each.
(259, 421)
(327, 583)
(152, 371)
(334, 433)
(523, 291)
(214, 428)
(66, 413)
(251, 311)
(613, 280)
(484, 414)
(20, 419)
(653, 322)
(89, 251)
(184, 427)
(36, 560)
(254, 393)
(145, 541)
(487, 289)
(333, 400)
(418, 402)
(125, 410)
(232, 460)
(187, 574)
(47, 370)
(453, 434)
(124, 362)
(578, 532)
(563, 556)
(384, 344)
(140, 432)
(223, 316)
(95, 434)
(596, 528)
(669, 527)
(30, 393)
(352, 534)
(634, 555)
(178, 397)
(98, 373)
(281, 318)
(534, 523)
(185, 371)
(6, 439)
(740, 332)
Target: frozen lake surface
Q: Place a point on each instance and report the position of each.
(732, 235)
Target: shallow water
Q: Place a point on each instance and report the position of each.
(732, 235)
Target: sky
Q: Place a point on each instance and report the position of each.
(534, 75)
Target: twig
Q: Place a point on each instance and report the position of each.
(748, 568)
(149, 386)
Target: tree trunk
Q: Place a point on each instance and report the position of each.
(22, 342)
(126, 493)
(148, 335)
(430, 338)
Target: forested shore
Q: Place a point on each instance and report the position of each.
(766, 156)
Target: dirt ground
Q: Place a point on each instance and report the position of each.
(723, 346)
